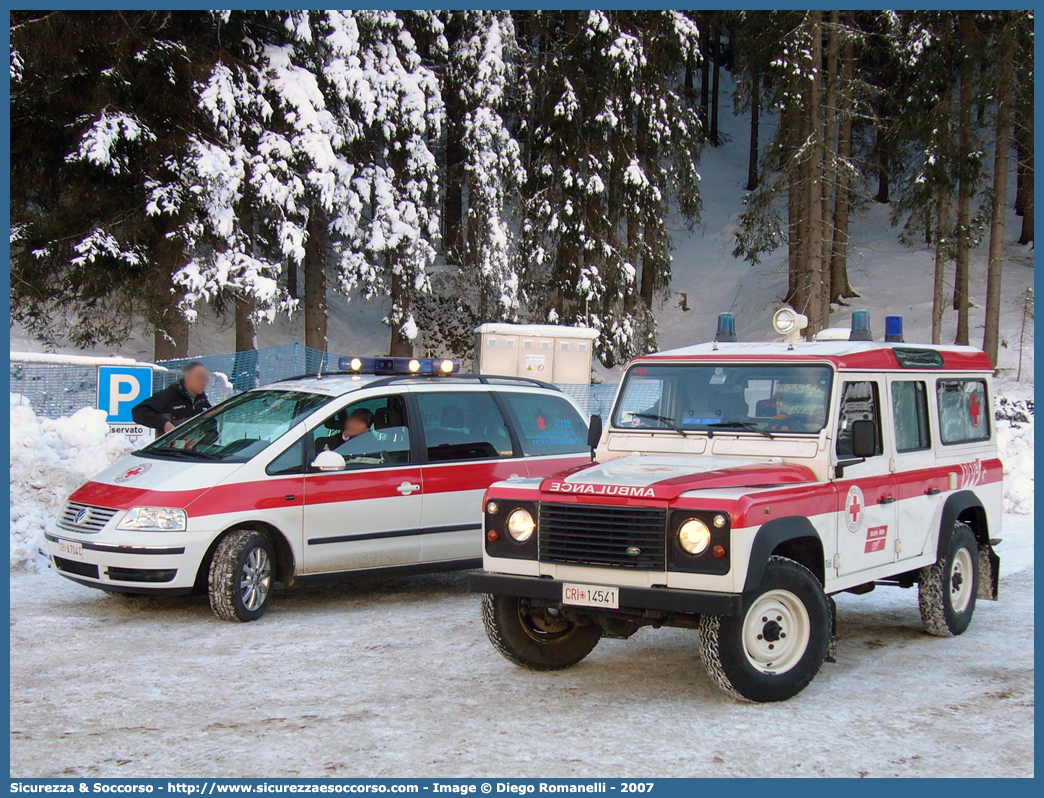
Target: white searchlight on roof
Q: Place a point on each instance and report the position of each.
(789, 323)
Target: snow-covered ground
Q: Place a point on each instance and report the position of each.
(396, 678)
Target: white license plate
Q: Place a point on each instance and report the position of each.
(70, 549)
(591, 596)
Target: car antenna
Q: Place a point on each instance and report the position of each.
(319, 376)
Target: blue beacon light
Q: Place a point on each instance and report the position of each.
(893, 329)
(860, 326)
(726, 327)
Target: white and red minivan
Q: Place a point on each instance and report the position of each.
(251, 492)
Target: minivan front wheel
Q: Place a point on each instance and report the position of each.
(242, 573)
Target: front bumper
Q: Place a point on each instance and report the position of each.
(690, 602)
(166, 565)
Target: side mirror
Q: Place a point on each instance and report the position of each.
(329, 461)
(864, 438)
(594, 432)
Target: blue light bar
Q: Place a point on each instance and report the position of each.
(860, 326)
(726, 327)
(399, 365)
(893, 329)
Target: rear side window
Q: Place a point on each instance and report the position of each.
(964, 415)
(910, 411)
(463, 425)
(859, 402)
(546, 424)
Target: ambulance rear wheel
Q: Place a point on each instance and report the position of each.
(947, 589)
(242, 574)
(773, 648)
(536, 638)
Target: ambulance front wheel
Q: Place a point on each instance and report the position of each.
(773, 648)
(536, 638)
(948, 588)
(241, 576)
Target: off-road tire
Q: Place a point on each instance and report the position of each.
(502, 617)
(227, 572)
(725, 654)
(936, 586)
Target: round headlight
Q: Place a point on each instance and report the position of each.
(786, 320)
(694, 536)
(520, 525)
(492, 508)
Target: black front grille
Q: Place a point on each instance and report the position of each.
(587, 534)
(78, 568)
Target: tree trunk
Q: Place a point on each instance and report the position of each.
(170, 339)
(797, 221)
(714, 88)
(705, 24)
(315, 319)
(291, 280)
(401, 346)
(964, 113)
(171, 328)
(829, 158)
(246, 331)
(840, 288)
(453, 241)
(755, 120)
(942, 223)
(881, 155)
(818, 318)
(1024, 135)
(991, 337)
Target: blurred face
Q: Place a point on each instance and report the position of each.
(197, 380)
(356, 425)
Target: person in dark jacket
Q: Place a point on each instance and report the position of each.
(358, 423)
(177, 403)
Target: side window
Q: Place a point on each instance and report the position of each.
(547, 424)
(910, 413)
(290, 461)
(859, 402)
(372, 432)
(964, 411)
(463, 425)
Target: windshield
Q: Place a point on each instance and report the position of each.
(759, 398)
(237, 430)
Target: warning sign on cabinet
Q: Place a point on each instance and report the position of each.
(536, 364)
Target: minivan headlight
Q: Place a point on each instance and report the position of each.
(694, 536)
(157, 519)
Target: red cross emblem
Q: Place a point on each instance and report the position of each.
(541, 424)
(975, 410)
(854, 507)
(133, 471)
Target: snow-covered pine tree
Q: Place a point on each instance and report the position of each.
(609, 139)
(102, 109)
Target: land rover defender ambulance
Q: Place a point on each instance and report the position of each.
(269, 485)
(738, 486)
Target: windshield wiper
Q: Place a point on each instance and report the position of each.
(171, 451)
(748, 426)
(670, 422)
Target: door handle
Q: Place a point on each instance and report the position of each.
(933, 492)
(406, 488)
(886, 500)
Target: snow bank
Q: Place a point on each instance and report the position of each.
(49, 460)
(1015, 440)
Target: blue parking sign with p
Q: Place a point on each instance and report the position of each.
(120, 388)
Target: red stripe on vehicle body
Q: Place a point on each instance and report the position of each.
(344, 486)
(871, 360)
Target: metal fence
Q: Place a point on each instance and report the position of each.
(61, 388)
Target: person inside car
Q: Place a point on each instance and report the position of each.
(177, 403)
(359, 422)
